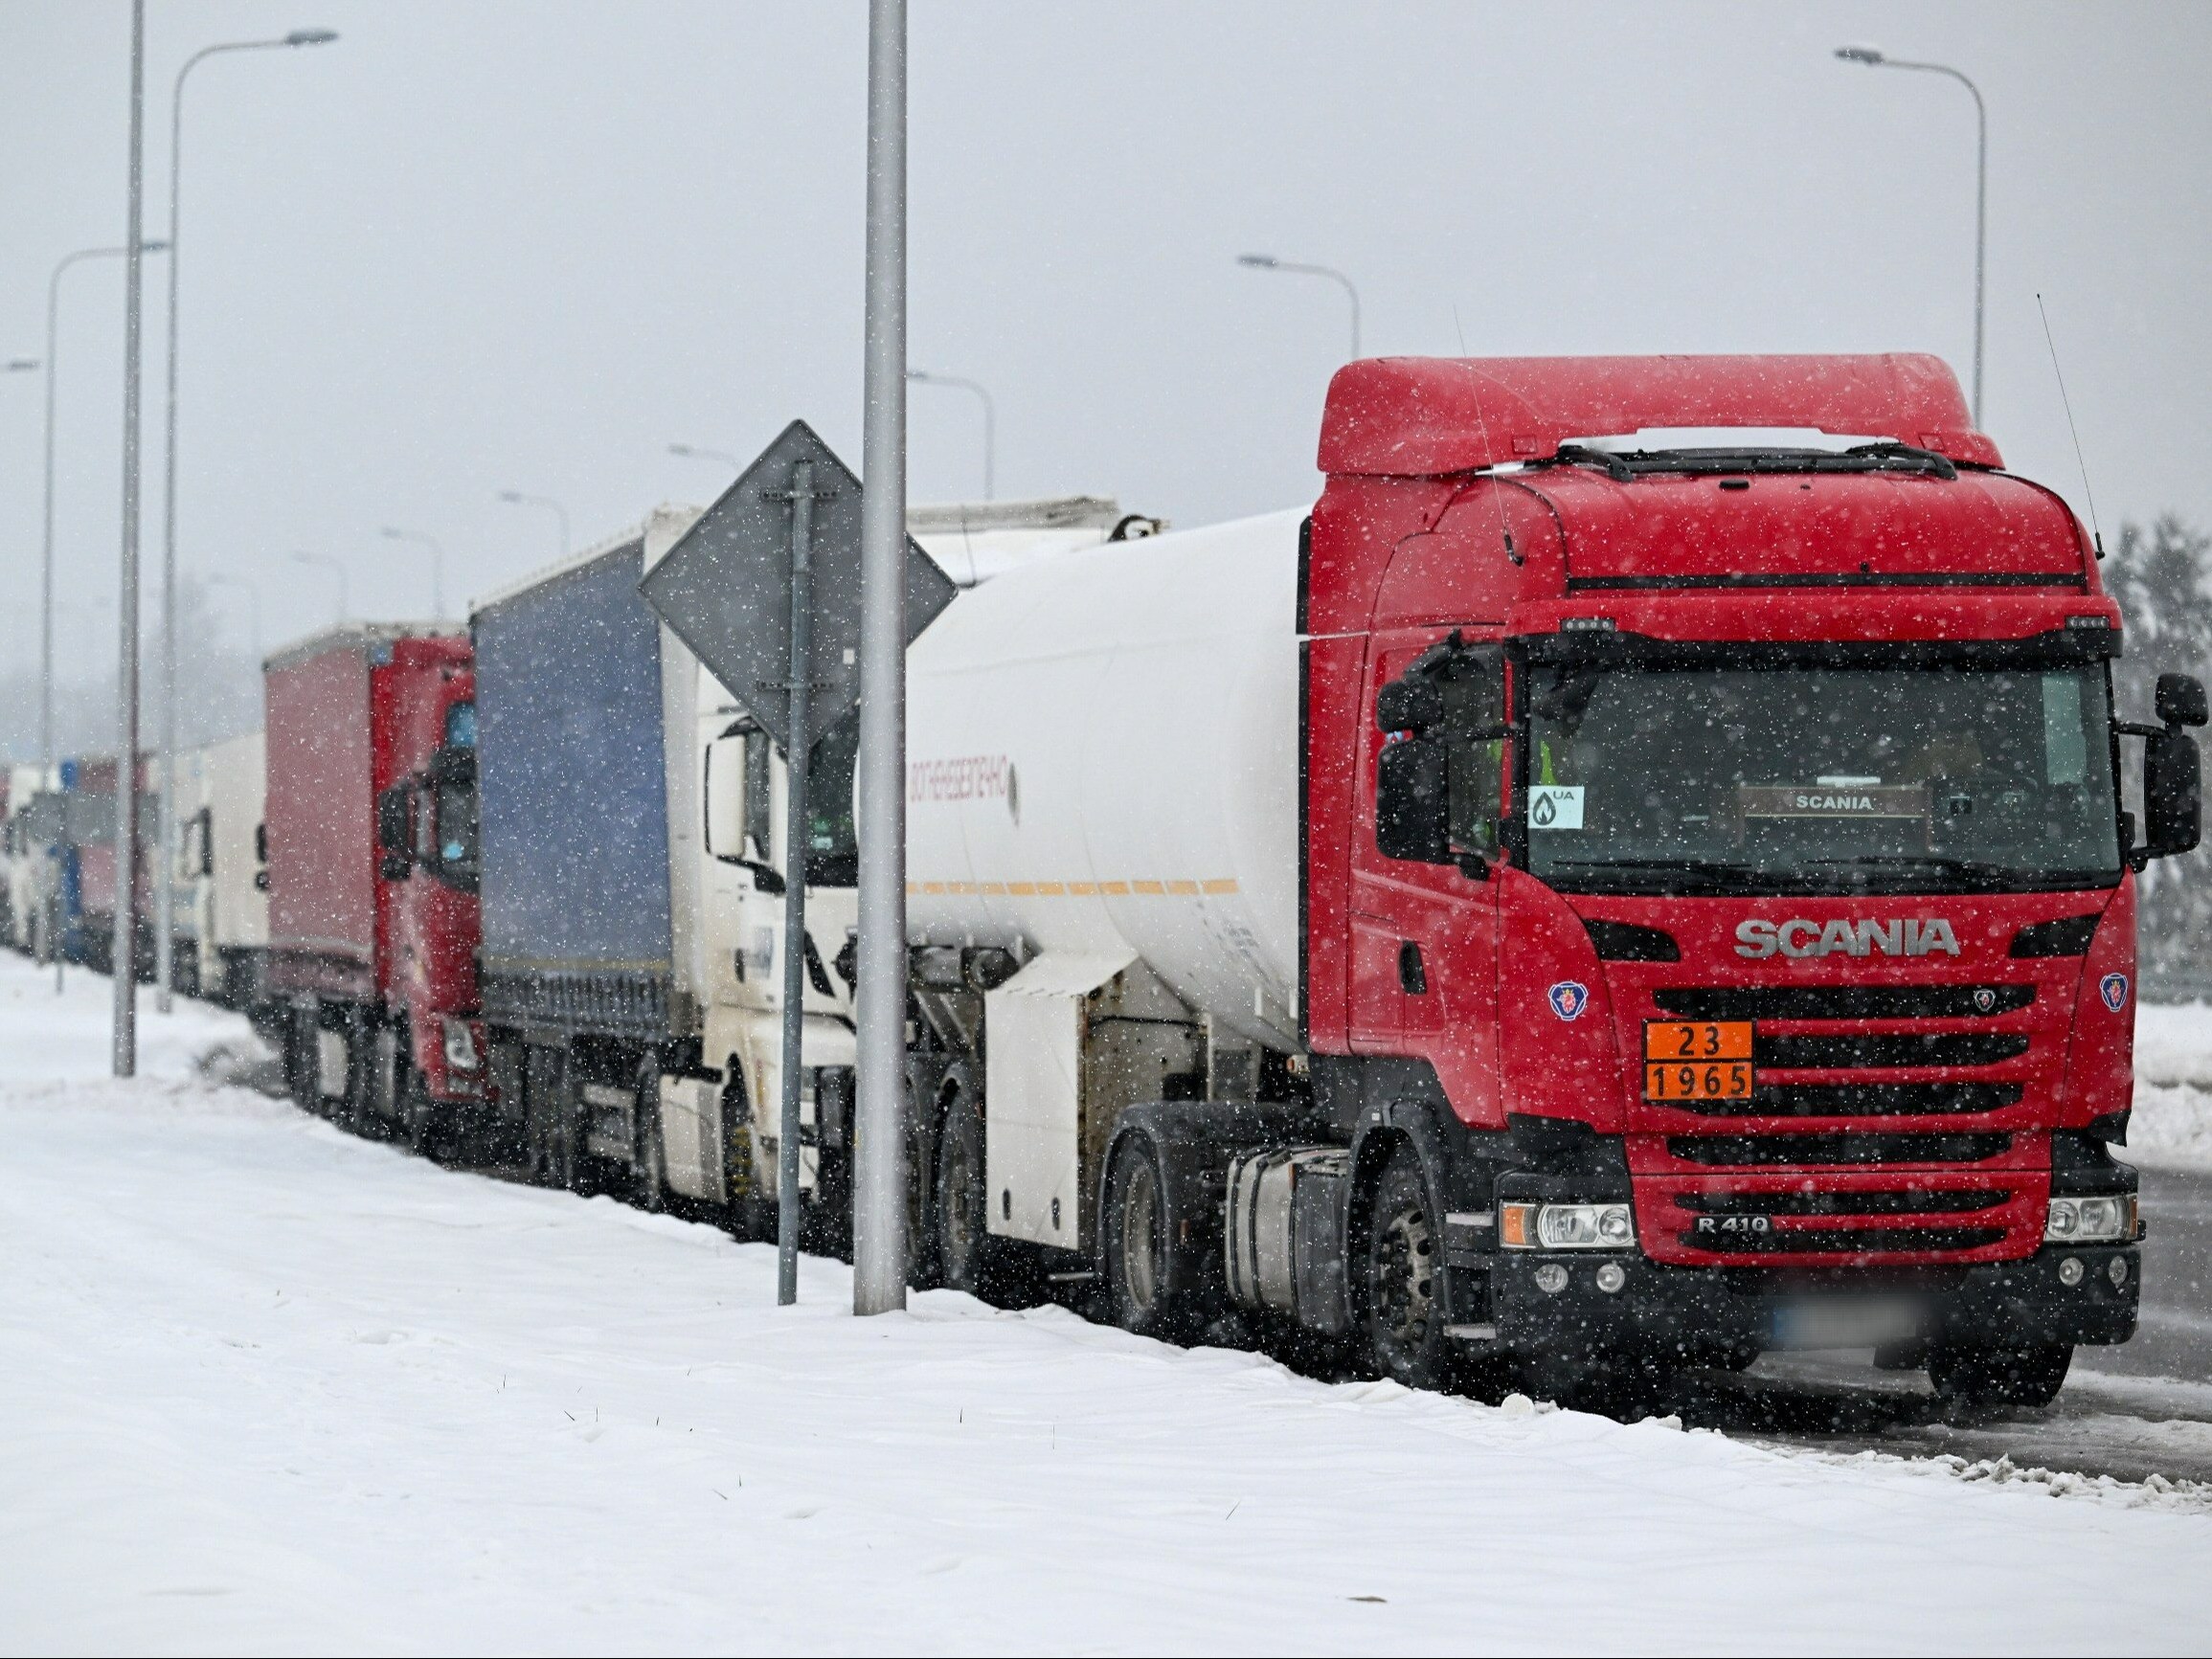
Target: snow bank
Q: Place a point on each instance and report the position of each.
(266, 1388)
(2172, 1125)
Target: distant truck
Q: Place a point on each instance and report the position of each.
(89, 887)
(632, 978)
(221, 884)
(371, 855)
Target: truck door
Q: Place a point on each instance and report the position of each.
(1424, 931)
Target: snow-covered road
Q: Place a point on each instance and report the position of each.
(264, 1386)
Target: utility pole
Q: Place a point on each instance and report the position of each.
(798, 754)
(879, 1219)
(165, 840)
(124, 961)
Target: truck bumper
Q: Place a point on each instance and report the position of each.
(1710, 1311)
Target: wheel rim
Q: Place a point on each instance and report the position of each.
(1140, 1213)
(1405, 1280)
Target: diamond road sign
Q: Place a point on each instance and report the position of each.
(725, 588)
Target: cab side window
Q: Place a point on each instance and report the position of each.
(1474, 704)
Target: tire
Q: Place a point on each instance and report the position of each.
(752, 1215)
(421, 1120)
(1402, 1263)
(2029, 1376)
(968, 1257)
(649, 1157)
(1135, 1228)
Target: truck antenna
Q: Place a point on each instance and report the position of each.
(2081, 460)
(1503, 529)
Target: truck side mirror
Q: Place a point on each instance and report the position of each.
(2173, 783)
(2179, 700)
(393, 820)
(260, 844)
(1412, 801)
(1409, 704)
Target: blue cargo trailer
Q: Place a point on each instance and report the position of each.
(578, 965)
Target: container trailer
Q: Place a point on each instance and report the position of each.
(221, 883)
(370, 854)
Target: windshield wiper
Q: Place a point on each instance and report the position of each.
(1944, 865)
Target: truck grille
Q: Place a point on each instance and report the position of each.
(1846, 1241)
(1754, 1149)
(1847, 1201)
(1843, 1002)
(1901, 1048)
(1863, 1100)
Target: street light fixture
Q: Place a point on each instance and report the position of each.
(923, 377)
(165, 837)
(1874, 57)
(520, 498)
(437, 566)
(692, 452)
(1269, 263)
(345, 594)
(46, 556)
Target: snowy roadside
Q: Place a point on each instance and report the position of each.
(264, 1386)
(2172, 1127)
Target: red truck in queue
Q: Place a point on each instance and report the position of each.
(1734, 862)
(371, 854)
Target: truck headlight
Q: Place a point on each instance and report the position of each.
(2091, 1221)
(459, 1046)
(1565, 1227)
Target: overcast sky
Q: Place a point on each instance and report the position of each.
(486, 246)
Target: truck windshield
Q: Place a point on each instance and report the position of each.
(832, 851)
(1907, 779)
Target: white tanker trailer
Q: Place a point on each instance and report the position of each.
(1102, 798)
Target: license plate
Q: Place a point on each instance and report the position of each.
(1847, 1322)
(1697, 1059)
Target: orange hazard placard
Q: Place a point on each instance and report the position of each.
(1697, 1059)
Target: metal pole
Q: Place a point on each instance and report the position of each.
(924, 377)
(1269, 263)
(794, 840)
(437, 566)
(879, 1220)
(1874, 57)
(124, 961)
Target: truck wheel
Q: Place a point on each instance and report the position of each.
(752, 1216)
(420, 1116)
(649, 1159)
(968, 1258)
(1986, 1376)
(1403, 1260)
(1134, 1224)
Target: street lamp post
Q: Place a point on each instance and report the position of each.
(692, 452)
(437, 566)
(345, 592)
(252, 605)
(520, 498)
(46, 557)
(1269, 263)
(165, 837)
(1874, 57)
(924, 377)
(123, 963)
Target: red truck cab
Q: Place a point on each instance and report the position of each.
(1715, 872)
(371, 844)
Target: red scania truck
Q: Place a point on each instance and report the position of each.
(370, 851)
(1593, 891)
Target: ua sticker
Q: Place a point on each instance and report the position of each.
(2114, 989)
(1567, 998)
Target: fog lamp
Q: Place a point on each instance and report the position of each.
(1611, 1277)
(2117, 1271)
(1551, 1278)
(2071, 1271)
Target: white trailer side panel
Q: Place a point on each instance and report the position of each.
(1102, 759)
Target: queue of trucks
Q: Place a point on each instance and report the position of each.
(1637, 876)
